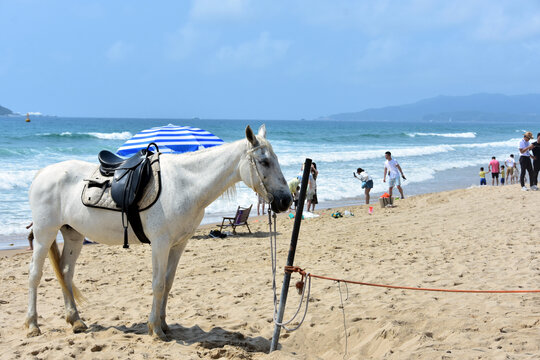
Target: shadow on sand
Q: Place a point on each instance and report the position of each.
(258, 234)
(215, 338)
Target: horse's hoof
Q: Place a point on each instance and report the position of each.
(164, 327)
(157, 333)
(33, 332)
(79, 327)
(160, 336)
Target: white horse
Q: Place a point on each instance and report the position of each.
(190, 183)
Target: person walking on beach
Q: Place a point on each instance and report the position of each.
(312, 188)
(367, 182)
(536, 160)
(392, 168)
(510, 168)
(503, 173)
(525, 161)
(494, 169)
(260, 201)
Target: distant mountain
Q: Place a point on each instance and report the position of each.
(5, 111)
(477, 107)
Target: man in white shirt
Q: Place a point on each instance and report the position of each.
(392, 168)
(510, 168)
(525, 161)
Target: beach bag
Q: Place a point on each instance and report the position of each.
(386, 201)
(217, 234)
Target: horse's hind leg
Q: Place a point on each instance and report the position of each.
(43, 242)
(73, 242)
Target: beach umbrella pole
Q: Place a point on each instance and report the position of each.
(292, 251)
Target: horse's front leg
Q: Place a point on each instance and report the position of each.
(172, 265)
(160, 257)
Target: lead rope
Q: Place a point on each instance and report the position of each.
(273, 255)
(344, 319)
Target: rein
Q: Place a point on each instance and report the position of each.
(265, 194)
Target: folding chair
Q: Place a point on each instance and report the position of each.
(240, 219)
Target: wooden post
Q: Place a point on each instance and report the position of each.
(292, 251)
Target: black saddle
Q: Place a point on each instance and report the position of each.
(130, 176)
(110, 162)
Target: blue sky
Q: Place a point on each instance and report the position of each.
(259, 59)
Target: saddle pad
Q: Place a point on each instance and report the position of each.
(97, 189)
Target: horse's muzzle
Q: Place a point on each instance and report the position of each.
(281, 202)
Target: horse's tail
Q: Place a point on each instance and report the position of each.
(54, 256)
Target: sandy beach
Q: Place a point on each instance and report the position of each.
(221, 303)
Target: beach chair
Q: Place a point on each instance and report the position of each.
(240, 219)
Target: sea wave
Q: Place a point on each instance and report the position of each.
(14, 229)
(19, 179)
(124, 135)
(504, 143)
(447, 135)
(345, 156)
(324, 154)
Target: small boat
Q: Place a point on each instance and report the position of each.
(27, 117)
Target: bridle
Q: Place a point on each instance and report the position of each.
(253, 165)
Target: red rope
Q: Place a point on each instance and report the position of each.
(291, 269)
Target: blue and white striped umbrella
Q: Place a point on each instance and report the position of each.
(170, 139)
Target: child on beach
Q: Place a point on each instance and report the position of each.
(503, 172)
(515, 175)
(294, 188)
(482, 177)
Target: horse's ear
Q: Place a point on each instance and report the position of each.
(251, 137)
(262, 131)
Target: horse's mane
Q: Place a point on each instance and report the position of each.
(231, 192)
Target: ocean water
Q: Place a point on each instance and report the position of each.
(423, 149)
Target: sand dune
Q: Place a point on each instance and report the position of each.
(221, 303)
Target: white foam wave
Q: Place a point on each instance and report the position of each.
(65, 133)
(447, 135)
(18, 179)
(332, 156)
(345, 156)
(505, 143)
(15, 228)
(124, 135)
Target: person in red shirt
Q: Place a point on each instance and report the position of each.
(494, 168)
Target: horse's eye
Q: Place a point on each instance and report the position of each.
(264, 163)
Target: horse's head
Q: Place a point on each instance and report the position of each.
(261, 172)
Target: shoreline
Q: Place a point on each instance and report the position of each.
(447, 180)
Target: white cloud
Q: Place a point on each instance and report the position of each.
(508, 24)
(380, 53)
(118, 51)
(258, 53)
(183, 42)
(218, 9)
(477, 20)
